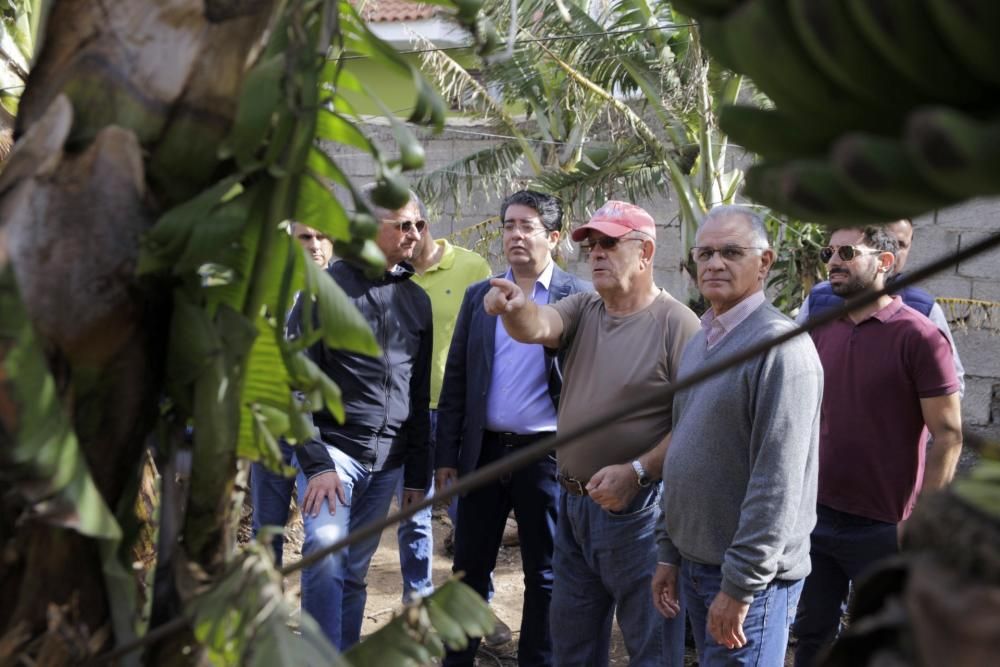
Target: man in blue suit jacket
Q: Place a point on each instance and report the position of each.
(499, 395)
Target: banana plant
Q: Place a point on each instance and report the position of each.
(630, 109)
(145, 271)
(19, 26)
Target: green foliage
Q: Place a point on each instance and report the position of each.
(981, 488)
(243, 619)
(221, 251)
(631, 111)
(19, 25)
(42, 460)
(448, 617)
(797, 266)
(882, 110)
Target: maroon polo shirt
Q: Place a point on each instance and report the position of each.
(872, 432)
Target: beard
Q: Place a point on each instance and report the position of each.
(855, 283)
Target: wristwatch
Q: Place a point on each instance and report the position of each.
(642, 479)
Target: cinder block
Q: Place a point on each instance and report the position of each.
(980, 351)
(977, 215)
(986, 290)
(983, 265)
(931, 244)
(977, 400)
(948, 286)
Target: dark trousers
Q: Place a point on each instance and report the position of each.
(844, 546)
(533, 493)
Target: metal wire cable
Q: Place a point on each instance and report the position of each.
(565, 438)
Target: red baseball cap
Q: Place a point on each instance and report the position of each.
(617, 218)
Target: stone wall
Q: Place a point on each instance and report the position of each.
(936, 235)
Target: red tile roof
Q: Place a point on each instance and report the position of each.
(388, 11)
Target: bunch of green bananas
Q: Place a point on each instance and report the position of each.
(882, 108)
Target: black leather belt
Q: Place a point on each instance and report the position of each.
(508, 439)
(572, 485)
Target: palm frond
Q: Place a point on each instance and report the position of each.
(489, 170)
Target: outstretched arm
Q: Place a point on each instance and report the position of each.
(524, 320)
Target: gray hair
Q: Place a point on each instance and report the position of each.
(365, 194)
(757, 228)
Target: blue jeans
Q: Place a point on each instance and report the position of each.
(765, 627)
(416, 537)
(533, 492)
(843, 547)
(271, 495)
(603, 564)
(334, 590)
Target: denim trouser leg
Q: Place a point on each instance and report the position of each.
(416, 538)
(765, 626)
(581, 610)
(333, 590)
(604, 562)
(843, 547)
(271, 494)
(482, 516)
(416, 549)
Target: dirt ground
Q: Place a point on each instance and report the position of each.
(385, 589)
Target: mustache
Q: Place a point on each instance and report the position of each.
(843, 272)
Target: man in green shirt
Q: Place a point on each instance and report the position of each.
(443, 271)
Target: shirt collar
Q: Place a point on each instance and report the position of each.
(730, 319)
(447, 257)
(544, 278)
(885, 314)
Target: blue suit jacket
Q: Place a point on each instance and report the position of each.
(461, 417)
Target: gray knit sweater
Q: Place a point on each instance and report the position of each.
(739, 479)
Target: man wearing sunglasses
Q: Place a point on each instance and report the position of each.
(444, 271)
(498, 396)
(623, 342)
(271, 492)
(739, 477)
(888, 379)
(822, 297)
(349, 474)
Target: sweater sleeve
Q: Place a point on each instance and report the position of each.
(780, 499)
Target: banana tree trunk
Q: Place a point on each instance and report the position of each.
(122, 117)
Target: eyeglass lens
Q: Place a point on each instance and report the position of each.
(732, 253)
(845, 252)
(606, 242)
(406, 225)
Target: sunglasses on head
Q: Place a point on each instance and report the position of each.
(606, 242)
(406, 225)
(845, 252)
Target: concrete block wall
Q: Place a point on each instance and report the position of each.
(978, 278)
(936, 234)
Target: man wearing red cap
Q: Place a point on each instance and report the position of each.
(620, 343)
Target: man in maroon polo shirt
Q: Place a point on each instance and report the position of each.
(888, 379)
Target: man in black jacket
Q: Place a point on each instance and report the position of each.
(348, 476)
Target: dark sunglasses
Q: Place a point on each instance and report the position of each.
(606, 242)
(845, 252)
(406, 225)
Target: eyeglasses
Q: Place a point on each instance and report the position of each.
(845, 252)
(406, 225)
(509, 227)
(606, 242)
(729, 253)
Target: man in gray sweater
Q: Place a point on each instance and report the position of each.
(739, 477)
